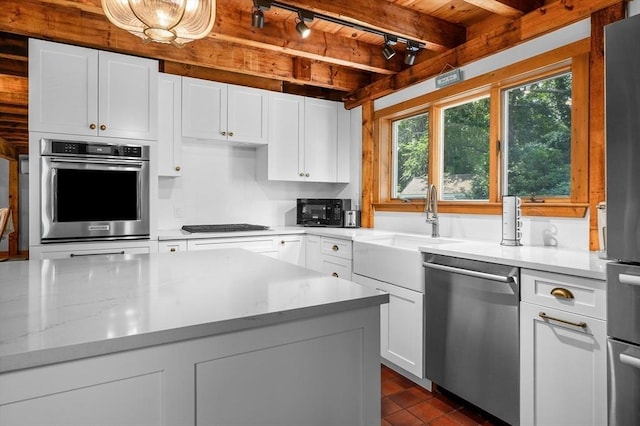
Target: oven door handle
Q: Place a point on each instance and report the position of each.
(630, 360)
(135, 164)
(469, 272)
(629, 279)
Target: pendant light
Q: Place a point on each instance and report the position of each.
(164, 21)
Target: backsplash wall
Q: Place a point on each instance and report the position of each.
(219, 185)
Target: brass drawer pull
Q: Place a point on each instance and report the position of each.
(580, 324)
(562, 292)
(335, 248)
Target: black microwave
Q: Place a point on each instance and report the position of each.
(322, 211)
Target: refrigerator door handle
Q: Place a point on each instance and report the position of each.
(629, 360)
(629, 279)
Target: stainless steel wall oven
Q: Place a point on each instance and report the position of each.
(93, 191)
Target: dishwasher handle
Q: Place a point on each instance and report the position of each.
(469, 272)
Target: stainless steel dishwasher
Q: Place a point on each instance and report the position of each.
(472, 344)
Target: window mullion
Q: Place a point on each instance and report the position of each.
(496, 166)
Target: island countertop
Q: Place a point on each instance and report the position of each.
(64, 309)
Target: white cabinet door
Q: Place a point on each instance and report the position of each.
(81, 91)
(204, 109)
(169, 125)
(563, 368)
(313, 253)
(247, 115)
(63, 88)
(291, 248)
(286, 133)
(401, 325)
(128, 96)
(319, 154)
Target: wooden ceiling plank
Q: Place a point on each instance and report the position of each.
(508, 8)
(556, 15)
(36, 19)
(387, 17)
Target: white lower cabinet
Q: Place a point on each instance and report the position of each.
(331, 256)
(563, 379)
(401, 325)
(291, 248)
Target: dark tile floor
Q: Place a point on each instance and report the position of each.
(404, 403)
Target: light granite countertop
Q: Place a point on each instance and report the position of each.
(64, 309)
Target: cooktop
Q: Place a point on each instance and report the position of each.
(224, 227)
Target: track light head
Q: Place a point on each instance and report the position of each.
(301, 27)
(412, 51)
(257, 18)
(388, 52)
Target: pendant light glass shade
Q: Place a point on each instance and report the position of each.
(164, 21)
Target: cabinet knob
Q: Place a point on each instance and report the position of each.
(302, 174)
(562, 293)
(92, 126)
(230, 133)
(335, 248)
(223, 133)
(172, 249)
(103, 127)
(306, 174)
(335, 274)
(177, 168)
(282, 242)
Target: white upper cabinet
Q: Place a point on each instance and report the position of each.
(169, 125)
(319, 152)
(75, 90)
(308, 140)
(219, 111)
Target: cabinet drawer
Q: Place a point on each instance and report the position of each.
(583, 296)
(337, 267)
(172, 246)
(336, 247)
(259, 245)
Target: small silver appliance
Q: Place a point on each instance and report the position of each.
(511, 223)
(352, 218)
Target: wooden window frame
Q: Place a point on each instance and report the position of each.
(574, 57)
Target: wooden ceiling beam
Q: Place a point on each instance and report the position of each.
(508, 8)
(556, 15)
(41, 19)
(387, 17)
(234, 25)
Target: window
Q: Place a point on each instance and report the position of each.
(519, 131)
(411, 156)
(465, 151)
(537, 138)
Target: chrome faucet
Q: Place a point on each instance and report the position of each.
(431, 210)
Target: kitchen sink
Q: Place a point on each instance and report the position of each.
(394, 258)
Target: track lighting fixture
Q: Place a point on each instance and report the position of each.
(305, 16)
(301, 27)
(257, 17)
(412, 51)
(389, 41)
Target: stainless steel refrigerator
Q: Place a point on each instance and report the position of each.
(622, 57)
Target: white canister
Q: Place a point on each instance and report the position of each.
(511, 223)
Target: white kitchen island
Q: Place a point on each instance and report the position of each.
(225, 337)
